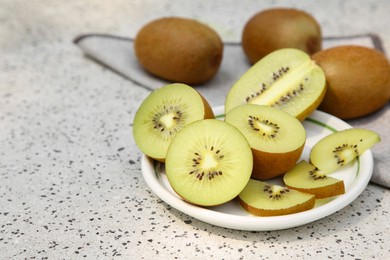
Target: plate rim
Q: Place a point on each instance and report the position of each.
(256, 223)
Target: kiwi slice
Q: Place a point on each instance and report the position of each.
(277, 139)
(307, 178)
(340, 148)
(286, 79)
(163, 114)
(209, 162)
(264, 199)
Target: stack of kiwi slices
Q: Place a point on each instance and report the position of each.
(209, 162)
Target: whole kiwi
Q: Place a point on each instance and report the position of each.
(357, 78)
(179, 50)
(278, 28)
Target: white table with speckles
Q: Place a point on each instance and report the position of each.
(70, 177)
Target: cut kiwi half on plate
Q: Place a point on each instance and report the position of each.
(265, 199)
(163, 113)
(287, 79)
(209, 162)
(307, 178)
(340, 148)
(277, 139)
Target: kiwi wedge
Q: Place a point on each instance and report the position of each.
(163, 113)
(286, 79)
(277, 139)
(264, 199)
(209, 162)
(340, 148)
(307, 178)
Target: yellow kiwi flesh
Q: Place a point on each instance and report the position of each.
(209, 162)
(264, 199)
(286, 79)
(358, 80)
(278, 28)
(163, 113)
(179, 50)
(277, 139)
(307, 178)
(340, 148)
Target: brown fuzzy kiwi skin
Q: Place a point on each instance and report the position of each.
(270, 165)
(357, 78)
(278, 28)
(208, 111)
(336, 189)
(268, 213)
(179, 50)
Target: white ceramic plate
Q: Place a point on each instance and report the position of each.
(356, 176)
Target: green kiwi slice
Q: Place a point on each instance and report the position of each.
(287, 79)
(277, 139)
(163, 114)
(340, 148)
(265, 199)
(307, 178)
(209, 162)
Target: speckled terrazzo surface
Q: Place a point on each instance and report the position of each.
(70, 177)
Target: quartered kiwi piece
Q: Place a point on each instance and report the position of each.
(209, 162)
(163, 114)
(264, 199)
(340, 148)
(307, 178)
(286, 79)
(277, 139)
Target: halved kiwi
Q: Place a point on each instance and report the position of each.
(277, 139)
(163, 114)
(340, 148)
(264, 199)
(286, 79)
(209, 162)
(307, 178)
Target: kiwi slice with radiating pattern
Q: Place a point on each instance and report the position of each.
(277, 139)
(163, 114)
(209, 162)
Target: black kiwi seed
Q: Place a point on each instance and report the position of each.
(211, 173)
(283, 99)
(316, 175)
(160, 112)
(337, 152)
(252, 119)
(263, 87)
(278, 195)
(255, 94)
